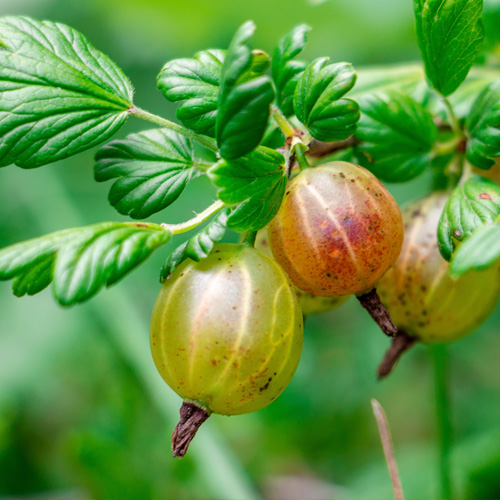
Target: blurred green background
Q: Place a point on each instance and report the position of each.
(83, 413)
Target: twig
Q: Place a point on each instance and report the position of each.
(385, 438)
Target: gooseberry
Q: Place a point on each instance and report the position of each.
(423, 300)
(310, 304)
(337, 232)
(226, 335)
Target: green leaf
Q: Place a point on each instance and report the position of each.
(196, 82)
(286, 72)
(244, 105)
(30, 263)
(479, 251)
(450, 36)
(199, 246)
(261, 62)
(273, 137)
(58, 94)
(79, 261)
(101, 255)
(318, 101)
(396, 134)
(483, 127)
(152, 168)
(254, 184)
(472, 204)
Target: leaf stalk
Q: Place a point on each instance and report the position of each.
(280, 119)
(299, 149)
(207, 142)
(183, 227)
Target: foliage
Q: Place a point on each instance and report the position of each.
(228, 96)
(472, 204)
(60, 96)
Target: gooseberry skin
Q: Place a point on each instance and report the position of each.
(226, 332)
(420, 295)
(310, 304)
(338, 230)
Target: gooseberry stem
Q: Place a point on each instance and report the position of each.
(443, 415)
(371, 302)
(446, 148)
(399, 344)
(191, 418)
(183, 227)
(299, 150)
(163, 122)
(280, 119)
(249, 238)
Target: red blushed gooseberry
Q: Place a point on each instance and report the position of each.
(337, 232)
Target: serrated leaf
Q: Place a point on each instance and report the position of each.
(244, 105)
(79, 261)
(472, 204)
(199, 246)
(450, 36)
(396, 134)
(100, 256)
(254, 185)
(479, 251)
(196, 82)
(318, 100)
(483, 127)
(152, 167)
(28, 263)
(58, 94)
(285, 71)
